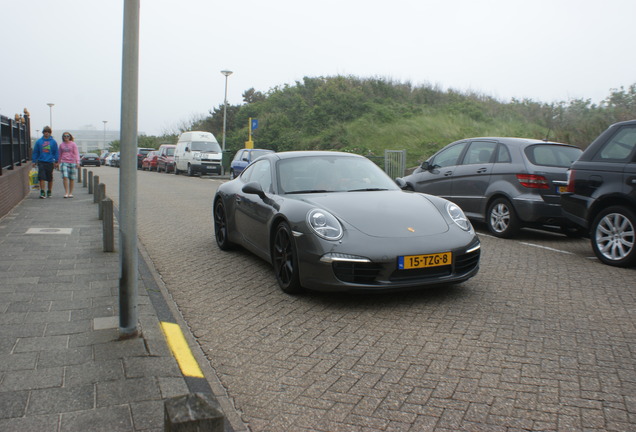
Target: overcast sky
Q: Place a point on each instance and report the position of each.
(68, 52)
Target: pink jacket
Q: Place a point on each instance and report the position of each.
(68, 152)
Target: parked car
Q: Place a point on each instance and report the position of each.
(601, 194)
(141, 154)
(114, 160)
(243, 158)
(165, 161)
(508, 183)
(150, 161)
(89, 159)
(102, 157)
(336, 222)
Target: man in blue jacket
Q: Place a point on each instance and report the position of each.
(46, 156)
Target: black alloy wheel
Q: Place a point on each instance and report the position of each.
(285, 260)
(220, 226)
(613, 236)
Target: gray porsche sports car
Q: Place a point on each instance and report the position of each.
(335, 221)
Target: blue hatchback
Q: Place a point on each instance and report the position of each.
(243, 158)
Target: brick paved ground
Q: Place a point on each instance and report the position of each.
(539, 340)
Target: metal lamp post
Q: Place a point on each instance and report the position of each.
(227, 73)
(50, 114)
(104, 121)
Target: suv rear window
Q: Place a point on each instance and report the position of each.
(620, 147)
(552, 155)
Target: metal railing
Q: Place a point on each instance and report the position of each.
(395, 163)
(15, 141)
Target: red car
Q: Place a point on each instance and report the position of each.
(165, 161)
(150, 161)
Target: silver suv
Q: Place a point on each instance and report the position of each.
(508, 183)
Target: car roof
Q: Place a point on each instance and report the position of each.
(310, 153)
(521, 142)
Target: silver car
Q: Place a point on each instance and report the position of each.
(508, 183)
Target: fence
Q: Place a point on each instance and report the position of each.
(15, 153)
(15, 141)
(395, 163)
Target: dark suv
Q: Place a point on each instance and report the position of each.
(601, 194)
(508, 183)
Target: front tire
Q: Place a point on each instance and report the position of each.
(502, 219)
(285, 260)
(613, 236)
(220, 227)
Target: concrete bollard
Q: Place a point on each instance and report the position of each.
(101, 194)
(108, 225)
(95, 194)
(90, 182)
(84, 178)
(79, 175)
(193, 412)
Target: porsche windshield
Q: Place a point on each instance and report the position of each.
(313, 174)
(205, 146)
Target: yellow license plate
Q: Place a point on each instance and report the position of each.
(423, 261)
(562, 189)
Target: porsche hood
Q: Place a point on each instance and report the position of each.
(384, 214)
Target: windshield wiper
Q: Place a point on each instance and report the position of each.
(308, 191)
(367, 190)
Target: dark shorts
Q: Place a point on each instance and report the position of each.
(45, 171)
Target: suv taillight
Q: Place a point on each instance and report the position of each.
(533, 181)
(570, 181)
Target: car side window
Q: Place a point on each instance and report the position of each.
(503, 154)
(259, 172)
(449, 156)
(620, 147)
(480, 152)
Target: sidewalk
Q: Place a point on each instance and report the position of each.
(62, 367)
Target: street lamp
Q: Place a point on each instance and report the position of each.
(227, 73)
(104, 121)
(50, 114)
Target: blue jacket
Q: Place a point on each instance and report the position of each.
(45, 150)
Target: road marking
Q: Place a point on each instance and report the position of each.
(181, 350)
(547, 248)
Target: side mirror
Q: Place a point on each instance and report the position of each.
(425, 166)
(400, 182)
(187, 150)
(254, 188)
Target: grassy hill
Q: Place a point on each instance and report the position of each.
(367, 116)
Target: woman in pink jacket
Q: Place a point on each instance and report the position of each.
(69, 159)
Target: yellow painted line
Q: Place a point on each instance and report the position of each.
(181, 350)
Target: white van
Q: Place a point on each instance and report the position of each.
(198, 152)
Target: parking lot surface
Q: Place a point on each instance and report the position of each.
(543, 338)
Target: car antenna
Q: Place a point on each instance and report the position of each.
(547, 135)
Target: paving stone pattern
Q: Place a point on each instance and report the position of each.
(539, 340)
(59, 371)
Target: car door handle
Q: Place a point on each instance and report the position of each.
(631, 181)
(448, 173)
(482, 170)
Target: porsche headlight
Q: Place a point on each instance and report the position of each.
(324, 224)
(458, 216)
